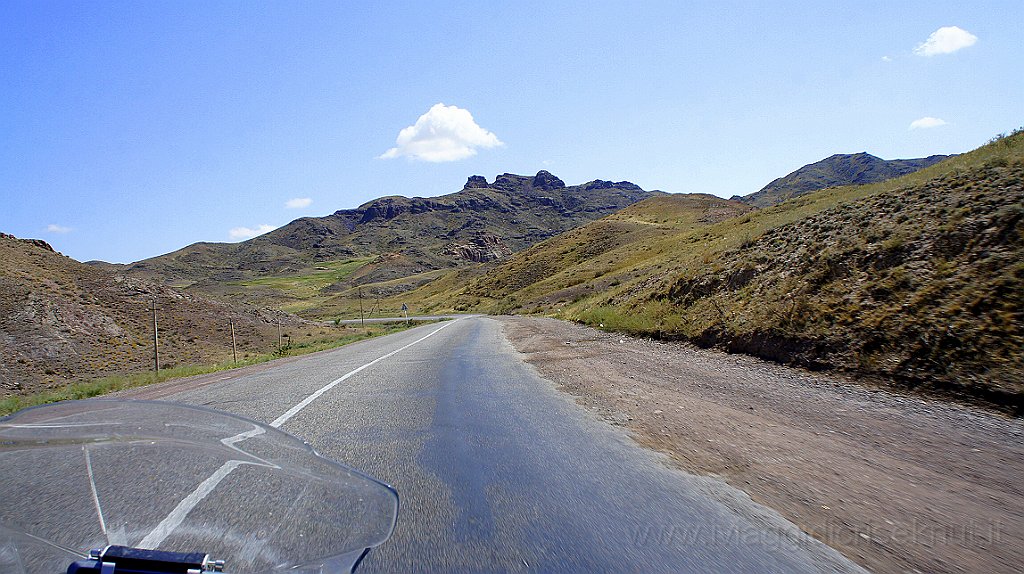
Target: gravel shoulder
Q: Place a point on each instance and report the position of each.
(897, 483)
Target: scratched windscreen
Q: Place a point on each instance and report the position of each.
(85, 474)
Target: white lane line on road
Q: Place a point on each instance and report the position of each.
(177, 516)
(180, 512)
(95, 495)
(305, 402)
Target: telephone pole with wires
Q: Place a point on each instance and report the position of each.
(360, 291)
(234, 352)
(156, 338)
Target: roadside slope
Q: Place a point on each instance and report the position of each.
(63, 321)
(917, 283)
(897, 483)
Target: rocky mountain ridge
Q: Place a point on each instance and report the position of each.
(482, 222)
(835, 170)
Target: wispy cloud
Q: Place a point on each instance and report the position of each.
(945, 40)
(886, 58)
(444, 133)
(54, 228)
(927, 122)
(239, 233)
(298, 202)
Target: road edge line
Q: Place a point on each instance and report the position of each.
(316, 394)
(177, 516)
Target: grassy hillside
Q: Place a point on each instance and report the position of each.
(293, 292)
(593, 257)
(916, 280)
(62, 321)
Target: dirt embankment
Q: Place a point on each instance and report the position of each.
(896, 483)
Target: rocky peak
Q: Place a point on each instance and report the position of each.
(37, 242)
(544, 180)
(602, 184)
(385, 208)
(511, 182)
(475, 182)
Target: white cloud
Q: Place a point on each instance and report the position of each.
(444, 133)
(54, 228)
(238, 233)
(945, 40)
(927, 122)
(886, 59)
(298, 203)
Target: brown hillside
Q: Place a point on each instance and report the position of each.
(916, 281)
(924, 285)
(64, 321)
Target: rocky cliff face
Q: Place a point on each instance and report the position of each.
(476, 182)
(480, 249)
(545, 181)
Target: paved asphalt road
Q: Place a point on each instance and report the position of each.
(412, 318)
(499, 472)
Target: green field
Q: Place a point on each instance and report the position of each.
(295, 293)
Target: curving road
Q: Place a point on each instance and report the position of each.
(497, 470)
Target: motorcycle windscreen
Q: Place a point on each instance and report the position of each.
(80, 475)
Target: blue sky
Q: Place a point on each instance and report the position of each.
(132, 129)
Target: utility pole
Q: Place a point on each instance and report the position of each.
(234, 352)
(156, 340)
(361, 324)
